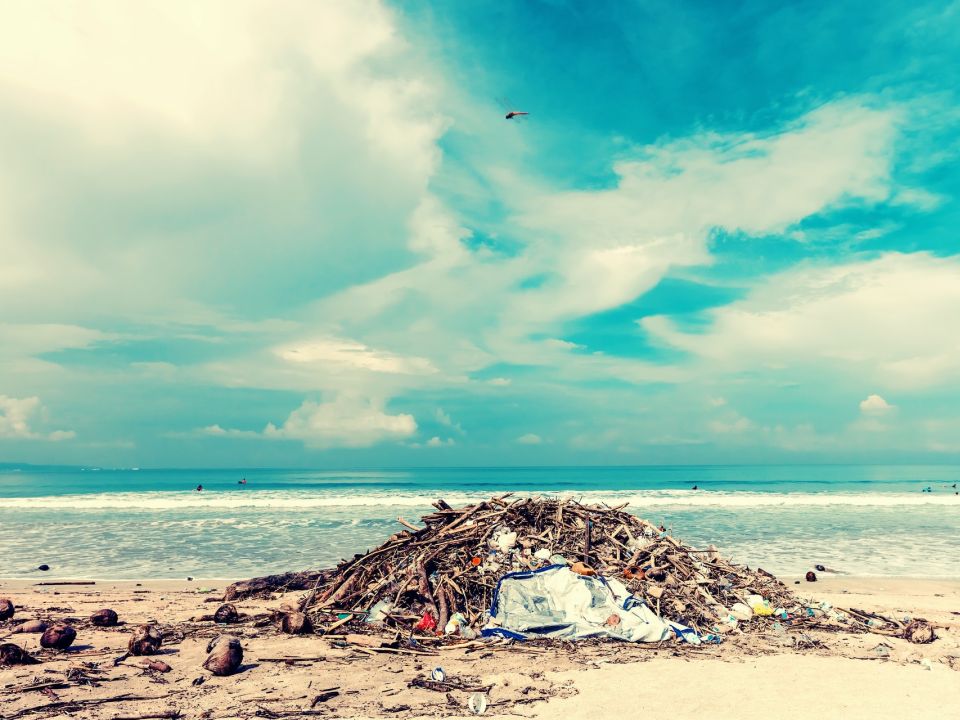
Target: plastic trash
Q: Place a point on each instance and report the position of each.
(458, 625)
(927, 664)
(582, 569)
(378, 613)
(882, 650)
(438, 674)
(542, 554)
(453, 624)
(558, 560)
(741, 611)
(477, 703)
(759, 606)
(427, 623)
(504, 541)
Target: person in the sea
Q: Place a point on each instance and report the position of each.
(694, 488)
(199, 488)
(242, 482)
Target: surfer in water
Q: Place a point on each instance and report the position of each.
(199, 488)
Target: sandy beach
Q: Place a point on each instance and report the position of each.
(285, 676)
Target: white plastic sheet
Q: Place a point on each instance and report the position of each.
(555, 602)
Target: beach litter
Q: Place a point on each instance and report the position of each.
(463, 572)
(7, 609)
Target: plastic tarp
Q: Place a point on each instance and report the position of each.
(554, 602)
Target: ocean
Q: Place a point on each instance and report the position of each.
(134, 524)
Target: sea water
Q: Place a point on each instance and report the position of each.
(136, 524)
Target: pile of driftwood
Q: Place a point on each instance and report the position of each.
(423, 577)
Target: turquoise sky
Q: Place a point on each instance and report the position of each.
(303, 234)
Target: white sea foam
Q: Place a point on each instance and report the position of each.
(306, 500)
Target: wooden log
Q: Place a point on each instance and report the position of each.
(273, 583)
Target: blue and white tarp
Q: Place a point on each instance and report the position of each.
(555, 602)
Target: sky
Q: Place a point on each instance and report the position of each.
(300, 234)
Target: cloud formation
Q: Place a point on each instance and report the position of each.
(17, 416)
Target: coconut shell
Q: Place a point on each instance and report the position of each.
(59, 636)
(6, 609)
(104, 618)
(919, 632)
(30, 626)
(811, 576)
(11, 654)
(227, 614)
(226, 655)
(146, 640)
(295, 623)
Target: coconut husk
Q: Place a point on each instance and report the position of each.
(30, 626)
(226, 614)
(6, 609)
(225, 655)
(146, 640)
(104, 618)
(59, 636)
(295, 623)
(919, 631)
(11, 654)
(157, 666)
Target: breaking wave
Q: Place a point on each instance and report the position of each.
(305, 500)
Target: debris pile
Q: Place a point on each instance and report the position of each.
(441, 578)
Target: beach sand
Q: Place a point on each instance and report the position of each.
(744, 678)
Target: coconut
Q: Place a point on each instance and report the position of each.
(226, 655)
(6, 609)
(146, 640)
(59, 636)
(157, 666)
(227, 614)
(295, 623)
(30, 626)
(104, 618)
(11, 654)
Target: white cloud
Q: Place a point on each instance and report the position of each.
(266, 141)
(733, 424)
(499, 381)
(344, 422)
(874, 404)
(529, 439)
(562, 344)
(888, 320)
(444, 419)
(435, 442)
(352, 354)
(598, 249)
(347, 422)
(17, 416)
